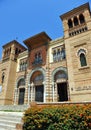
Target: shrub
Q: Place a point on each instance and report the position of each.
(65, 117)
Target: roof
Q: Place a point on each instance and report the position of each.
(75, 10)
(36, 39)
(13, 42)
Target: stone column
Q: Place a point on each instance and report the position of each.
(53, 85)
(44, 85)
(68, 91)
(28, 94)
(72, 22)
(56, 92)
(78, 20)
(32, 91)
(15, 96)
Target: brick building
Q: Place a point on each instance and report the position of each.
(50, 70)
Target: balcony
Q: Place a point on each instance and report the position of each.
(77, 30)
(37, 62)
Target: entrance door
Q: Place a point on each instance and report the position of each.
(39, 93)
(21, 96)
(62, 92)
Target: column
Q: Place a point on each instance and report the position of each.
(78, 19)
(68, 90)
(32, 90)
(56, 92)
(44, 91)
(28, 94)
(53, 91)
(15, 96)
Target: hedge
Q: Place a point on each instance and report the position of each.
(65, 117)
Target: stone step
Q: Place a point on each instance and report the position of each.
(4, 126)
(13, 107)
(16, 119)
(8, 120)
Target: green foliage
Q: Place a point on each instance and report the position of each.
(65, 117)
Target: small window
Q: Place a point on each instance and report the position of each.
(83, 59)
(59, 55)
(75, 21)
(20, 66)
(38, 58)
(70, 23)
(3, 77)
(63, 53)
(10, 49)
(19, 51)
(54, 56)
(23, 65)
(81, 18)
(16, 51)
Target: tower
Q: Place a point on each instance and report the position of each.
(8, 70)
(77, 36)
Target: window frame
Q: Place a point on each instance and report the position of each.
(79, 53)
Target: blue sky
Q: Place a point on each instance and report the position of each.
(21, 19)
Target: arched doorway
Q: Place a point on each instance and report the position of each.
(60, 79)
(38, 87)
(21, 96)
(21, 88)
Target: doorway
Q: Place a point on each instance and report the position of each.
(21, 96)
(39, 93)
(62, 92)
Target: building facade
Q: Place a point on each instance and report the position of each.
(50, 70)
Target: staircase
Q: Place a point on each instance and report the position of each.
(8, 120)
(13, 107)
(11, 115)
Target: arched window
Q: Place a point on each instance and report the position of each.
(70, 23)
(75, 21)
(16, 51)
(81, 18)
(19, 51)
(83, 59)
(21, 82)
(39, 78)
(10, 49)
(3, 77)
(60, 75)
